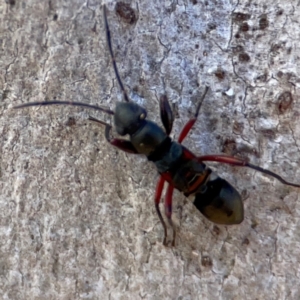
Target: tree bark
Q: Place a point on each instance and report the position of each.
(77, 215)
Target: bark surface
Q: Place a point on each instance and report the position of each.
(77, 219)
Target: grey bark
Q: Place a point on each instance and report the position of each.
(77, 216)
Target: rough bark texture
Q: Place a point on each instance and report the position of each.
(77, 218)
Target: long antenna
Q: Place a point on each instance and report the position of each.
(44, 103)
(108, 38)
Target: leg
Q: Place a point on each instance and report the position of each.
(243, 163)
(159, 188)
(188, 126)
(166, 114)
(121, 144)
(108, 38)
(168, 210)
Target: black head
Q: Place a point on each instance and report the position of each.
(129, 117)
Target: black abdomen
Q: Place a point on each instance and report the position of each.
(220, 202)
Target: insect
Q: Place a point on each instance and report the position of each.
(178, 167)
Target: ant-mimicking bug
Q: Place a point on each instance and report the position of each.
(213, 196)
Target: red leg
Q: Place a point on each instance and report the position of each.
(168, 210)
(159, 188)
(121, 144)
(186, 129)
(188, 126)
(243, 163)
(168, 201)
(223, 159)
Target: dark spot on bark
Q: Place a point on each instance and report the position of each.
(220, 74)
(243, 149)
(212, 124)
(254, 224)
(263, 22)
(238, 127)
(285, 100)
(244, 27)
(229, 147)
(244, 194)
(206, 261)
(142, 81)
(244, 57)
(10, 2)
(279, 13)
(211, 26)
(269, 133)
(275, 47)
(194, 2)
(55, 17)
(262, 77)
(237, 49)
(246, 242)
(216, 230)
(125, 12)
(240, 17)
(5, 94)
(71, 121)
(94, 29)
